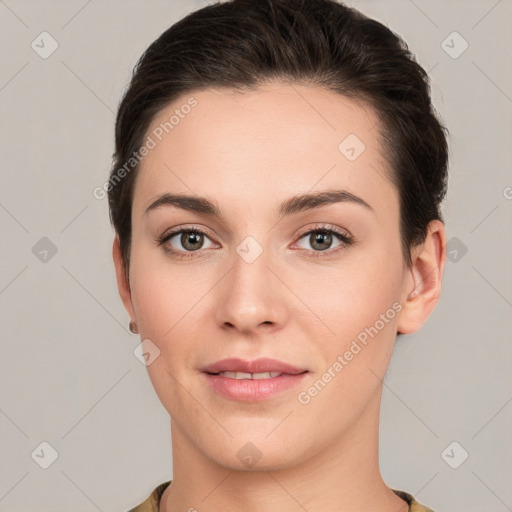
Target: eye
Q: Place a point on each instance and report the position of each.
(184, 242)
(322, 238)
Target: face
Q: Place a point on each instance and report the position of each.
(318, 285)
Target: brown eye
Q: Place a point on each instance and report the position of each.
(191, 240)
(321, 241)
(183, 242)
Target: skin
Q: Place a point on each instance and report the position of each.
(248, 152)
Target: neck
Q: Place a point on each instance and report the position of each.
(343, 476)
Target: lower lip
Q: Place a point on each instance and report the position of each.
(250, 390)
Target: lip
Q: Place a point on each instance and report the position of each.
(263, 364)
(249, 390)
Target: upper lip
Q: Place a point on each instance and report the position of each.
(261, 365)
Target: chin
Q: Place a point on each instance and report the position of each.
(257, 453)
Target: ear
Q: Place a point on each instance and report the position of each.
(123, 284)
(423, 280)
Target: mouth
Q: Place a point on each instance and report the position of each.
(252, 381)
(251, 376)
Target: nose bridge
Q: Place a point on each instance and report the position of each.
(250, 296)
(250, 275)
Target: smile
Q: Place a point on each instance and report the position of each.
(246, 375)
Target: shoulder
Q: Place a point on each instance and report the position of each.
(152, 502)
(414, 506)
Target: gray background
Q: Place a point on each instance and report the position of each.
(68, 373)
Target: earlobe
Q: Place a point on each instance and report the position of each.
(423, 283)
(123, 284)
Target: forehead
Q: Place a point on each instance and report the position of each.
(276, 140)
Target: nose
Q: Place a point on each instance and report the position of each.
(251, 298)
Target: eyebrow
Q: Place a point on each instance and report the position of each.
(295, 204)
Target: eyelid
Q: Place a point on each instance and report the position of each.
(186, 227)
(325, 227)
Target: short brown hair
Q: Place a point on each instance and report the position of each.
(242, 43)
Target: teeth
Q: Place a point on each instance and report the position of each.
(253, 376)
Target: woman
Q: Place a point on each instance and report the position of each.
(276, 192)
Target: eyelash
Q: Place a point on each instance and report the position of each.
(345, 238)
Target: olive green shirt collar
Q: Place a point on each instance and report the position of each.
(151, 504)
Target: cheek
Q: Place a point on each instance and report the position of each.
(162, 293)
(167, 303)
(353, 296)
(359, 303)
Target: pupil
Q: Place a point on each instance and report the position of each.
(322, 238)
(189, 239)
